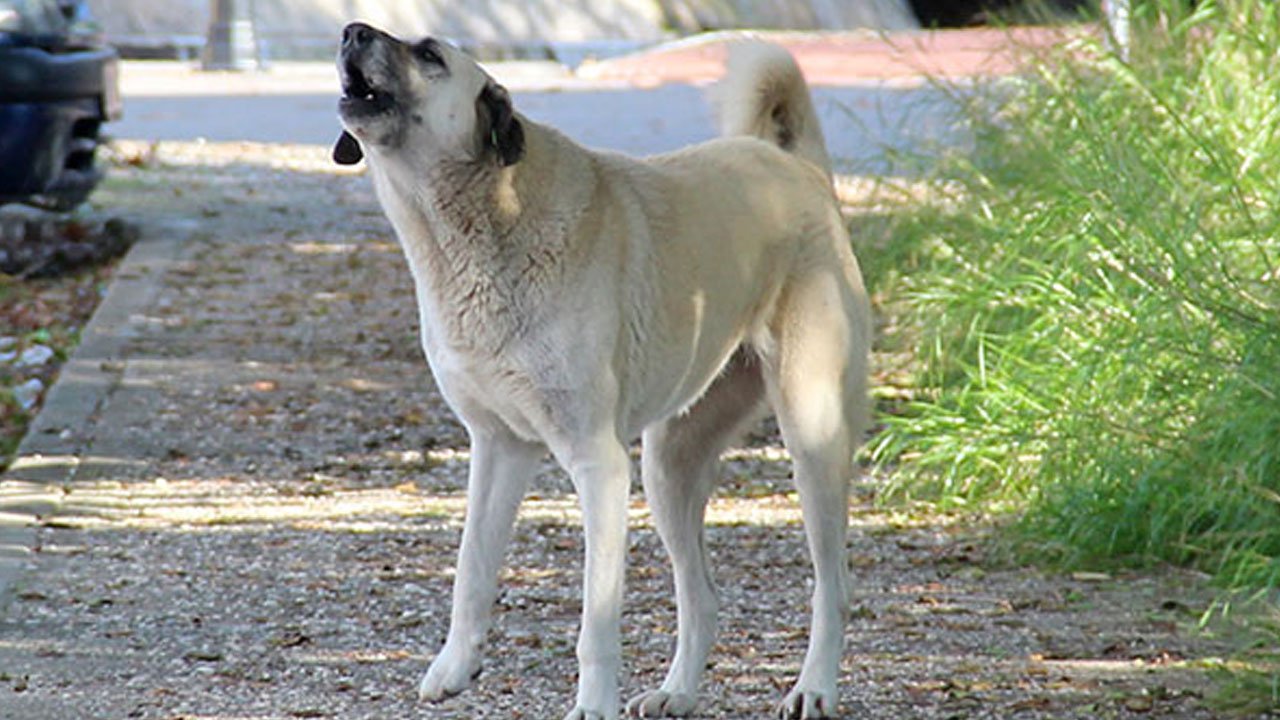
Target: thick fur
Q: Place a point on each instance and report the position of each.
(572, 300)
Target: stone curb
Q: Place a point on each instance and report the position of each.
(59, 444)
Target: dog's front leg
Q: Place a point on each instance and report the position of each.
(601, 475)
(501, 466)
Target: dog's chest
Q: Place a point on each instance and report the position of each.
(464, 306)
(509, 387)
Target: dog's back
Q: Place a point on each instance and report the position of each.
(764, 94)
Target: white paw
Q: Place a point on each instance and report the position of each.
(450, 673)
(801, 704)
(662, 704)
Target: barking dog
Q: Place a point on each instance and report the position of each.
(573, 300)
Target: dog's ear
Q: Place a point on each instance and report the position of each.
(347, 150)
(502, 132)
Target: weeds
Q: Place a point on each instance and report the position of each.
(1095, 316)
(43, 317)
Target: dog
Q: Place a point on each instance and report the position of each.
(572, 300)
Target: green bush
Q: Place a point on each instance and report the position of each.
(1094, 310)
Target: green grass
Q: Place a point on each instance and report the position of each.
(1093, 310)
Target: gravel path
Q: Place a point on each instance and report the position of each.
(269, 526)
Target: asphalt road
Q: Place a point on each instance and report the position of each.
(861, 122)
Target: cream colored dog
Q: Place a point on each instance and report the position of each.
(572, 300)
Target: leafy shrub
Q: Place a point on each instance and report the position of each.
(1094, 312)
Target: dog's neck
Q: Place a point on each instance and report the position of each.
(476, 255)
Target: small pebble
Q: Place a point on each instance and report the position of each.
(28, 393)
(35, 356)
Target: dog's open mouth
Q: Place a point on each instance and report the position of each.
(359, 96)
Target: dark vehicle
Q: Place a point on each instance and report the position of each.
(58, 84)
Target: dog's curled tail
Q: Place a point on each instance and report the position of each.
(763, 94)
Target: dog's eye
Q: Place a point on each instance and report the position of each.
(429, 51)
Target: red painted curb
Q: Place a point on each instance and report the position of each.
(845, 58)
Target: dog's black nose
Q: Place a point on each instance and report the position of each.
(357, 34)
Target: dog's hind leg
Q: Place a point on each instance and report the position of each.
(681, 457)
(816, 377)
(501, 466)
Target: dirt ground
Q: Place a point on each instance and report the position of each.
(278, 537)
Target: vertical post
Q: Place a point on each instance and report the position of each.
(1118, 30)
(230, 43)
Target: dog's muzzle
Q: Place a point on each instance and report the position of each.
(361, 97)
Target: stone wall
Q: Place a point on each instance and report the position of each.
(284, 24)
